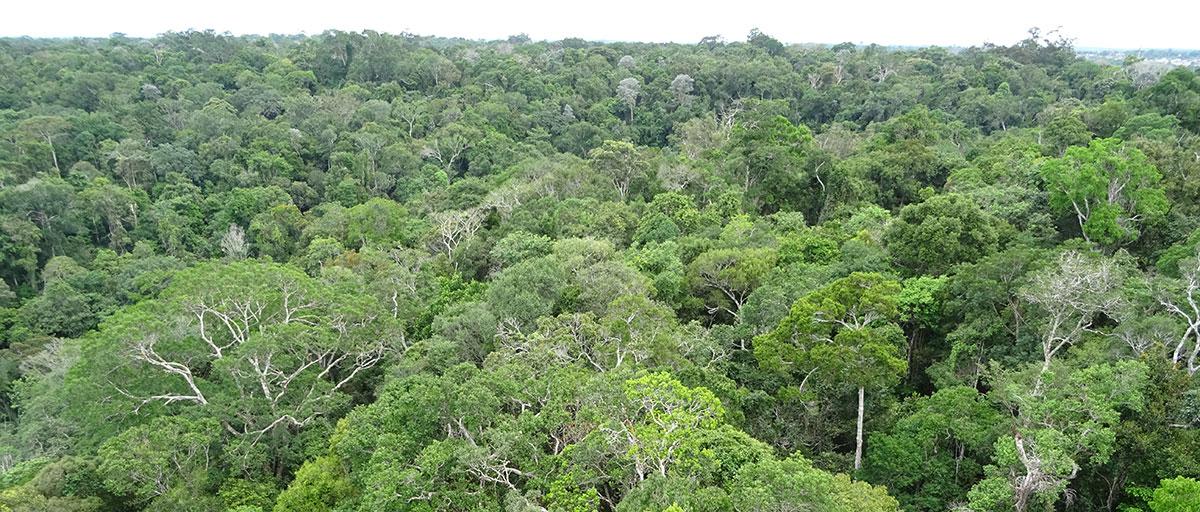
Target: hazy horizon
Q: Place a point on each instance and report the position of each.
(1099, 25)
(727, 40)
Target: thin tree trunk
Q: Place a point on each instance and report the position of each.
(912, 347)
(1114, 490)
(54, 155)
(858, 440)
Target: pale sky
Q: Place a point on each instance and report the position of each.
(1092, 23)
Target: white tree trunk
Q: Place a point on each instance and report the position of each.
(858, 440)
(53, 154)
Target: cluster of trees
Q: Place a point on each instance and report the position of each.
(362, 271)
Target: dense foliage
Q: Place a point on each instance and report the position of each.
(368, 272)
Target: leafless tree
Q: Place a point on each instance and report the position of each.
(1145, 73)
(883, 71)
(1184, 303)
(452, 228)
(682, 87)
(628, 90)
(233, 243)
(285, 347)
(1071, 295)
(675, 176)
(447, 148)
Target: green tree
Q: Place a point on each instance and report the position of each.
(319, 485)
(51, 205)
(19, 244)
(1109, 187)
(264, 349)
(932, 236)
(276, 232)
(149, 461)
(793, 484)
(623, 163)
(1058, 427)
(113, 212)
(664, 423)
(729, 276)
(378, 222)
(843, 332)
(47, 129)
(933, 454)
(1177, 494)
(775, 163)
(1177, 93)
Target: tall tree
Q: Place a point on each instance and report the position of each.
(623, 163)
(842, 332)
(1110, 187)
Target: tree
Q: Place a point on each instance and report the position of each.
(114, 211)
(379, 222)
(449, 144)
(47, 128)
(1057, 427)
(275, 232)
(411, 111)
(1109, 186)
(60, 310)
(1177, 92)
(267, 166)
(19, 245)
(774, 161)
(681, 88)
(528, 290)
(519, 246)
(1181, 298)
(371, 142)
(732, 274)
(150, 461)
(1071, 295)
(634, 332)
(1177, 494)
(843, 332)
(319, 484)
(627, 91)
(664, 423)
(233, 243)
(793, 484)
(984, 303)
(1062, 129)
(263, 349)
(50, 205)
(771, 45)
(909, 152)
(930, 457)
(453, 228)
(130, 160)
(623, 163)
(932, 236)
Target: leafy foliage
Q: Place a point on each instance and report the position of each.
(364, 271)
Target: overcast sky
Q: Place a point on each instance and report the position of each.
(1095, 23)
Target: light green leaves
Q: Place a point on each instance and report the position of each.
(1179, 494)
(150, 460)
(1110, 187)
